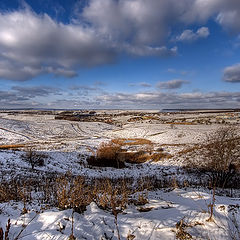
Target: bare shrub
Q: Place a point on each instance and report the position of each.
(34, 158)
(220, 156)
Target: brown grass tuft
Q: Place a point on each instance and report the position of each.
(131, 141)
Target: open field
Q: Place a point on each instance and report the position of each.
(153, 146)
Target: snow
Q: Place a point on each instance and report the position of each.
(167, 209)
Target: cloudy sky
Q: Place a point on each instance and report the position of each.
(133, 54)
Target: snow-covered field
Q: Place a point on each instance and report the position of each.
(65, 145)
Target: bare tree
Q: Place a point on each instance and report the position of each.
(34, 158)
(221, 156)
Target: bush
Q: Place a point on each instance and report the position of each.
(220, 156)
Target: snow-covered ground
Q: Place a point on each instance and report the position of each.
(65, 145)
(158, 219)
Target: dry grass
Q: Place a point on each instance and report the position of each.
(112, 154)
(134, 157)
(142, 157)
(107, 155)
(173, 144)
(13, 146)
(189, 150)
(108, 150)
(181, 232)
(131, 141)
(155, 157)
(68, 191)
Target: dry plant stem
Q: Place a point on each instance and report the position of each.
(72, 222)
(181, 233)
(115, 212)
(24, 199)
(6, 231)
(115, 221)
(212, 204)
(1, 234)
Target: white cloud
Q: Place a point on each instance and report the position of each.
(232, 73)
(33, 44)
(189, 36)
(149, 22)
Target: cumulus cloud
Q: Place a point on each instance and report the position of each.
(189, 36)
(172, 84)
(149, 22)
(33, 44)
(146, 22)
(142, 22)
(226, 13)
(229, 15)
(232, 73)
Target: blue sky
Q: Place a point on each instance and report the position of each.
(133, 54)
